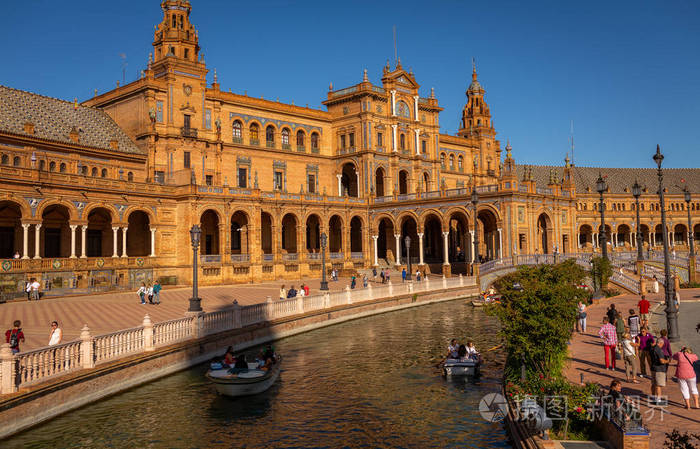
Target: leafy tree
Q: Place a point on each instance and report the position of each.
(677, 440)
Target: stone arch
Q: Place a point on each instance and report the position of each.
(585, 236)
(138, 235)
(289, 233)
(313, 232)
(209, 221)
(74, 216)
(459, 239)
(266, 234)
(270, 133)
(11, 232)
(403, 182)
(544, 243)
(131, 209)
(409, 228)
(489, 244)
(658, 235)
(433, 245)
(680, 235)
(335, 234)
(114, 213)
(100, 234)
(385, 232)
(645, 231)
(240, 232)
(379, 176)
(356, 225)
(426, 181)
(348, 179)
(624, 235)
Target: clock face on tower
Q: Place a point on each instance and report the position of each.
(187, 89)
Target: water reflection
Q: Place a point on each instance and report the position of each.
(366, 383)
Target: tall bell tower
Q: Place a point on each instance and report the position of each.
(175, 38)
(476, 116)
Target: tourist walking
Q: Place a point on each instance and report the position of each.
(629, 354)
(619, 327)
(34, 289)
(28, 290)
(381, 274)
(417, 275)
(353, 282)
(643, 306)
(611, 313)
(149, 292)
(685, 373)
(156, 292)
(403, 275)
(388, 276)
(56, 335)
(633, 322)
(283, 292)
(666, 346)
(302, 292)
(14, 336)
(659, 365)
(364, 281)
(306, 289)
(142, 293)
(581, 318)
(608, 334)
(645, 343)
(291, 293)
(374, 274)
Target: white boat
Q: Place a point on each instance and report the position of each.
(457, 367)
(246, 382)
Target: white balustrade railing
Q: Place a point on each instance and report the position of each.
(112, 346)
(44, 363)
(172, 331)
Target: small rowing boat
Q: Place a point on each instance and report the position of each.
(243, 382)
(461, 367)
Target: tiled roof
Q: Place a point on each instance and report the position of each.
(54, 119)
(618, 178)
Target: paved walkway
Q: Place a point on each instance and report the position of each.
(587, 360)
(110, 312)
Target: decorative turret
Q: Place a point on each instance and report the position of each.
(509, 176)
(476, 115)
(175, 37)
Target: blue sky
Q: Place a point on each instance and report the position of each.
(627, 73)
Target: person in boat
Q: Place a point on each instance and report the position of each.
(472, 353)
(452, 349)
(269, 353)
(240, 362)
(229, 359)
(216, 363)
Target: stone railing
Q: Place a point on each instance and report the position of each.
(33, 367)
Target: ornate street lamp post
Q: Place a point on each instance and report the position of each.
(195, 300)
(691, 243)
(407, 243)
(324, 241)
(669, 288)
(636, 192)
(601, 187)
(475, 201)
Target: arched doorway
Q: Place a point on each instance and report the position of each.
(459, 239)
(313, 234)
(356, 235)
(240, 233)
(403, 182)
(266, 235)
(379, 182)
(585, 236)
(680, 235)
(11, 232)
(658, 235)
(138, 235)
(209, 243)
(432, 240)
(426, 182)
(488, 235)
(544, 234)
(348, 180)
(624, 236)
(335, 235)
(409, 228)
(289, 234)
(644, 229)
(100, 237)
(696, 233)
(385, 241)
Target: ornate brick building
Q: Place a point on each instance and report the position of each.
(105, 192)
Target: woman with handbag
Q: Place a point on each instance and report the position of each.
(685, 373)
(581, 318)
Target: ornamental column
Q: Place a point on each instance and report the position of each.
(398, 248)
(445, 248)
(83, 253)
(72, 241)
(471, 245)
(115, 237)
(417, 131)
(376, 258)
(25, 240)
(393, 102)
(415, 107)
(124, 241)
(153, 242)
(393, 138)
(37, 241)
(500, 244)
(420, 248)
(340, 184)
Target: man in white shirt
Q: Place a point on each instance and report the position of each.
(34, 289)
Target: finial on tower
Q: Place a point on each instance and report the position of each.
(150, 60)
(567, 161)
(365, 79)
(508, 149)
(398, 62)
(432, 92)
(216, 78)
(330, 86)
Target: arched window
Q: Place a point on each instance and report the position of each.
(16, 161)
(237, 127)
(5, 159)
(62, 167)
(104, 173)
(402, 141)
(460, 163)
(42, 165)
(452, 161)
(84, 170)
(52, 166)
(442, 160)
(94, 171)
(402, 110)
(301, 136)
(130, 176)
(254, 135)
(285, 138)
(270, 135)
(314, 141)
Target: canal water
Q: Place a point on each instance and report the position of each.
(368, 383)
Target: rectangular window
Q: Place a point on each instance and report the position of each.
(342, 142)
(311, 184)
(187, 122)
(424, 146)
(186, 159)
(351, 140)
(521, 243)
(207, 118)
(380, 140)
(159, 111)
(159, 177)
(278, 180)
(243, 178)
(209, 180)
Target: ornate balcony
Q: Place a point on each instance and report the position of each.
(188, 132)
